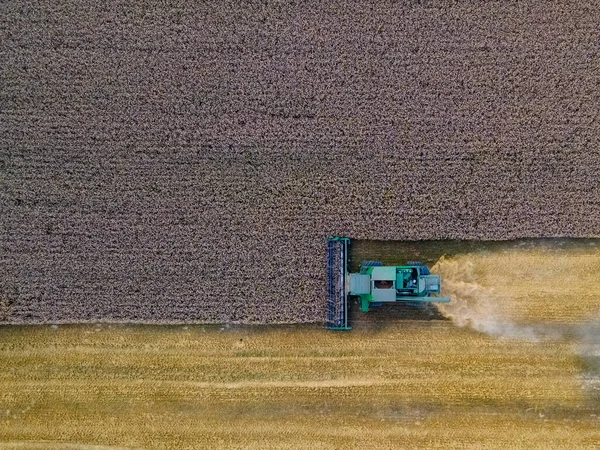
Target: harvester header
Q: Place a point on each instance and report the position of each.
(375, 284)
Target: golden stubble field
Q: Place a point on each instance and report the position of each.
(516, 367)
(411, 385)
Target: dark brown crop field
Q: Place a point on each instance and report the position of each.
(167, 162)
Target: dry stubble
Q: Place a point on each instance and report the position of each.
(411, 384)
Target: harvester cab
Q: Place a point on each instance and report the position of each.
(375, 284)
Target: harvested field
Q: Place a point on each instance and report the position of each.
(161, 162)
(411, 384)
(502, 283)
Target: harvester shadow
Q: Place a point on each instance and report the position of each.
(387, 315)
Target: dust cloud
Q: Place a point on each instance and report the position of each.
(588, 350)
(473, 304)
(532, 294)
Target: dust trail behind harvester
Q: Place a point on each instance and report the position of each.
(533, 294)
(474, 304)
(529, 294)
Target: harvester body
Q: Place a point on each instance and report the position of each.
(375, 284)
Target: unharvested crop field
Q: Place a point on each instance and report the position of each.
(183, 162)
(517, 366)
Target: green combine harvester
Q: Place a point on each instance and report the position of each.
(375, 284)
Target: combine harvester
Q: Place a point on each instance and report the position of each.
(375, 284)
